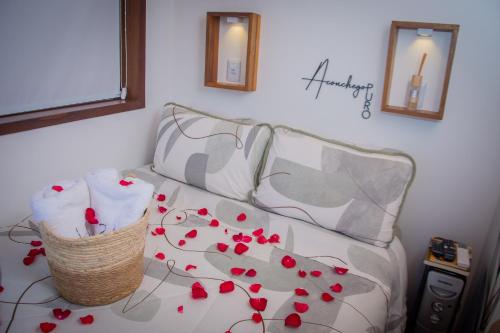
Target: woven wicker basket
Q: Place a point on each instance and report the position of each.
(97, 270)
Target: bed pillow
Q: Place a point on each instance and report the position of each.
(215, 154)
(356, 191)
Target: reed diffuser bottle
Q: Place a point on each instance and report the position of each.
(415, 84)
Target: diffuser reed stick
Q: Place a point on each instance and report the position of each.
(415, 83)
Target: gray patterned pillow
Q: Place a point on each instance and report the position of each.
(215, 154)
(358, 192)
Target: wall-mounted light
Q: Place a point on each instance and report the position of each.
(421, 32)
(233, 19)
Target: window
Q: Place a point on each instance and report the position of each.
(67, 60)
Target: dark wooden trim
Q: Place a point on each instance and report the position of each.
(136, 65)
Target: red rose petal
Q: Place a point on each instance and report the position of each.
(258, 304)
(302, 274)
(162, 209)
(316, 273)
(240, 248)
(288, 262)
(189, 267)
(237, 271)
(226, 287)
(301, 292)
(28, 260)
(160, 230)
(293, 320)
(336, 288)
(160, 255)
(340, 270)
(90, 216)
(182, 242)
(57, 188)
(1, 289)
(326, 297)
(180, 309)
(238, 237)
(275, 238)
(198, 291)
(124, 182)
(246, 239)
(300, 307)
(258, 232)
(214, 223)
(47, 327)
(33, 252)
(178, 218)
(60, 313)
(242, 217)
(255, 287)
(153, 233)
(161, 197)
(87, 320)
(42, 251)
(192, 234)
(36, 243)
(257, 317)
(261, 239)
(222, 247)
(251, 272)
(202, 211)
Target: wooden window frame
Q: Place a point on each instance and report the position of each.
(135, 24)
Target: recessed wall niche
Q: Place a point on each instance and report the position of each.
(231, 50)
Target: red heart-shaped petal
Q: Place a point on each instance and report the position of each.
(57, 188)
(293, 320)
(336, 288)
(255, 287)
(214, 223)
(326, 297)
(178, 218)
(192, 234)
(257, 317)
(182, 242)
(261, 239)
(189, 267)
(90, 216)
(162, 209)
(300, 307)
(246, 239)
(160, 255)
(237, 237)
(47, 327)
(60, 313)
(258, 304)
(161, 197)
(301, 292)
(302, 274)
(180, 309)
(36, 243)
(258, 232)
(28, 260)
(275, 238)
(340, 270)
(87, 320)
(237, 271)
(240, 248)
(226, 287)
(124, 182)
(160, 230)
(33, 252)
(222, 247)
(198, 291)
(251, 272)
(242, 217)
(288, 262)
(202, 211)
(316, 273)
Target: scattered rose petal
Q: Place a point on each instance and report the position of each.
(178, 218)
(60, 313)
(42, 251)
(237, 237)
(192, 234)
(275, 238)
(160, 255)
(161, 197)
(258, 304)
(251, 272)
(90, 216)
(288, 262)
(57, 188)
(190, 267)
(257, 317)
(162, 209)
(302, 274)
(293, 320)
(153, 233)
(33, 252)
(180, 309)
(240, 248)
(316, 273)
(255, 287)
(246, 239)
(336, 288)
(47, 327)
(326, 297)
(258, 232)
(222, 247)
(198, 291)
(261, 239)
(242, 217)
(1, 289)
(182, 242)
(36, 243)
(225, 231)
(300, 307)
(124, 182)
(202, 211)
(226, 287)
(28, 260)
(301, 292)
(340, 270)
(87, 320)
(160, 230)
(237, 271)
(214, 223)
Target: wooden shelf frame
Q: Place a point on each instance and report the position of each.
(395, 27)
(212, 51)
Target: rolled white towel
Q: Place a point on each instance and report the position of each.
(118, 202)
(62, 206)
